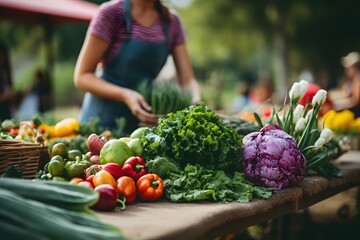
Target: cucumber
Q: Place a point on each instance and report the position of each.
(28, 219)
(62, 194)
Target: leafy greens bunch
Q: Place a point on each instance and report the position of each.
(197, 183)
(195, 135)
(164, 97)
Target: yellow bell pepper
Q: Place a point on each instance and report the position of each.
(66, 127)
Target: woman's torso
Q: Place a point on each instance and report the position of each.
(109, 25)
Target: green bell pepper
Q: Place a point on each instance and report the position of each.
(56, 168)
(76, 168)
(72, 154)
(58, 158)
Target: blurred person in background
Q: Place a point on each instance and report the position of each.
(36, 99)
(42, 88)
(241, 100)
(312, 89)
(350, 88)
(6, 92)
(261, 91)
(131, 39)
(258, 100)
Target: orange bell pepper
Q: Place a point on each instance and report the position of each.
(150, 187)
(126, 188)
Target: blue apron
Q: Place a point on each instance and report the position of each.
(136, 61)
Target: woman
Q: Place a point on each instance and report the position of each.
(351, 87)
(131, 39)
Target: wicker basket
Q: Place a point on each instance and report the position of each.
(27, 157)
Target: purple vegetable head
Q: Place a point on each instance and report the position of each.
(271, 158)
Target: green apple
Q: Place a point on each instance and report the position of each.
(115, 151)
(136, 146)
(137, 133)
(125, 139)
(59, 149)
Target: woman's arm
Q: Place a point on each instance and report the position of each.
(84, 78)
(351, 101)
(356, 90)
(185, 72)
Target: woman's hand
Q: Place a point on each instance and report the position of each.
(139, 107)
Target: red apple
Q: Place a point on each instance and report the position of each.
(95, 144)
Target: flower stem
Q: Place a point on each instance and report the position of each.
(306, 134)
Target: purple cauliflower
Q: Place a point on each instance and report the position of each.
(271, 158)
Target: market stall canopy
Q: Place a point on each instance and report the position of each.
(49, 11)
(49, 14)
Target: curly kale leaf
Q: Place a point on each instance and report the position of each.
(195, 135)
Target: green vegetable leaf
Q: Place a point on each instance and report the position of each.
(196, 183)
(162, 166)
(195, 135)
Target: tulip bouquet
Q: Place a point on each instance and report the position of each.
(301, 122)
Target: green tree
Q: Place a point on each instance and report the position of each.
(279, 36)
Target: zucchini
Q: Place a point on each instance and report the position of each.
(11, 231)
(62, 194)
(44, 221)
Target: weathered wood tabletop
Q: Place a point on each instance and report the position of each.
(165, 220)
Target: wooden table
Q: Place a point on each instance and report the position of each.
(165, 220)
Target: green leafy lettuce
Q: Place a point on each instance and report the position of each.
(195, 135)
(197, 183)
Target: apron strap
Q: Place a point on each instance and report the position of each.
(165, 27)
(128, 21)
(127, 16)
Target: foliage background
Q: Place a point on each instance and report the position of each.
(228, 41)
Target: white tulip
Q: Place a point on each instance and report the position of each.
(326, 134)
(303, 87)
(319, 143)
(300, 124)
(295, 91)
(319, 97)
(298, 112)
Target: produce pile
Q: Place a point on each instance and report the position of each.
(112, 167)
(192, 154)
(199, 156)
